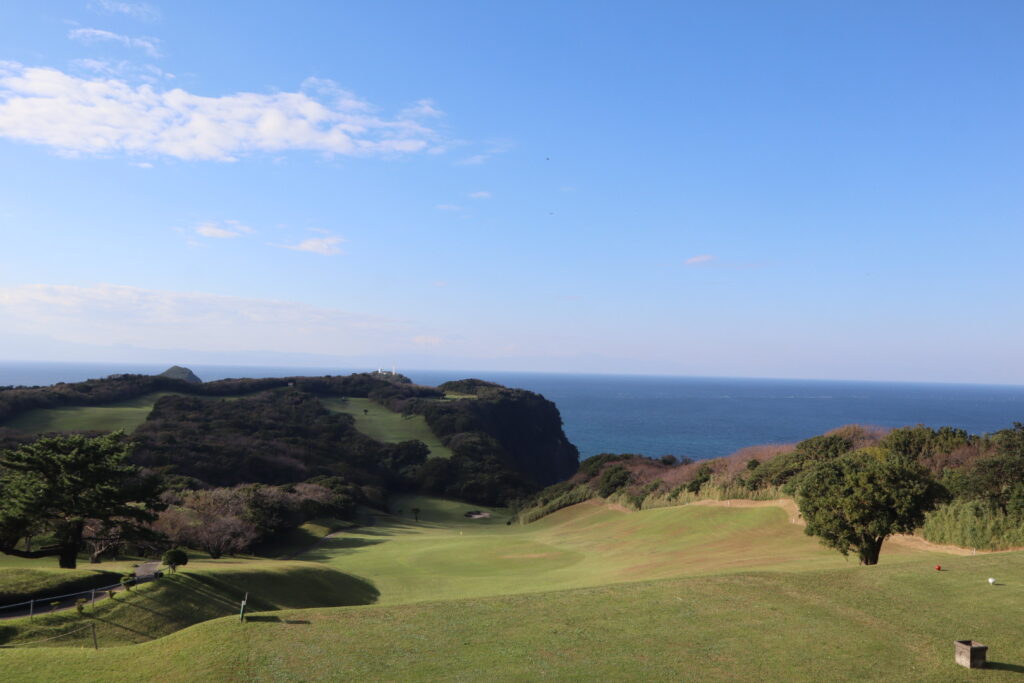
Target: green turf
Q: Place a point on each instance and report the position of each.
(447, 556)
(741, 594)
(299, 539)
(125, 415)
(382, 424)
(884, 623)
(203, 590)
(19, 584)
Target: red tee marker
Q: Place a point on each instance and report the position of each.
(938, 567)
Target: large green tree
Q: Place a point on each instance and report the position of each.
(854, 502)
(60, 483)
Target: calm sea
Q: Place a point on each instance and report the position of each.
(685, 416)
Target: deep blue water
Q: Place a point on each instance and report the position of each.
(685, 416)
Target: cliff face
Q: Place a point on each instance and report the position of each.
(526, 426)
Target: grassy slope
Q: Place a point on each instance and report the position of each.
(204, 590)
(890, 622)
(447, 556)
(384, 425)
(18, 583)
(754, 599)
(122, 415)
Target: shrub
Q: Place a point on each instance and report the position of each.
(174, 558)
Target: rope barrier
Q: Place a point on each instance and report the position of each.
(58, 597)
(33, 642)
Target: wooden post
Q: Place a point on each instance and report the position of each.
(93, 597)
(95, 643)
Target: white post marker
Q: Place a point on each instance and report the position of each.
(241, 613)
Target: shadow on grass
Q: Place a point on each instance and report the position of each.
(261, 617)
(340, 545)
(1000, 666)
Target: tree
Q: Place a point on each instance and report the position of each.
(63, 482)
(854, 502)
(174, 558)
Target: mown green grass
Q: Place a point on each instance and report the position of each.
(301, 538)
(446, 556)
(740, 594)
(883, 623)
(201, 591)
(125, 415)
(19, 584)
(379, 423)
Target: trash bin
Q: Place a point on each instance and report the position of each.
(970, 654)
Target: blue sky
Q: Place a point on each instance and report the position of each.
(793, 189)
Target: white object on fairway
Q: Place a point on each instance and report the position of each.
(992, 581)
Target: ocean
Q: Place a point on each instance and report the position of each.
(695, 417)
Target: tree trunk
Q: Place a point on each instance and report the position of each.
(870, 549)
(70, 542)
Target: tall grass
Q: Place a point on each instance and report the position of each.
(973, 524)
(576, 494)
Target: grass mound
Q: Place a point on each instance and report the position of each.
(379, 423)
(20, 584)
(176, 601)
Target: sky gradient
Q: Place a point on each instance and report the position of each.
(793, 189)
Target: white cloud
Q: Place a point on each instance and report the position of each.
(474, 160)
(225, 230)
(94, 35)
(483, 194)
(316, 245)
(137, 10)
(112, 315)
(697, 260)
(448, 207)
(74, 115)
(148, 73)
(422, 109)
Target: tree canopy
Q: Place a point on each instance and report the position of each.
(58, 484)
(855, 501)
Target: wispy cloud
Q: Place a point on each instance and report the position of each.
(223, 230)
(148, 73)
(111, 315)
(95, 35)
(698, 260)
(448, 207)
(74, 115)
(422, 109)
(137, 10)
(316, 245)
(483, 194)
(494, 149)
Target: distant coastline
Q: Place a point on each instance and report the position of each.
(695, 417)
